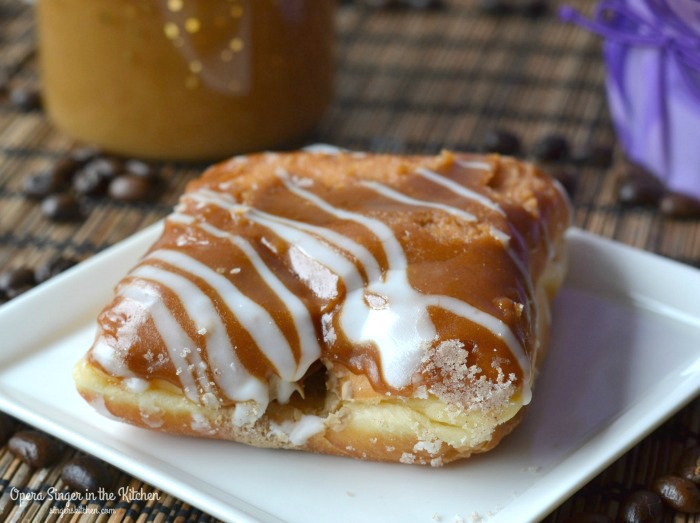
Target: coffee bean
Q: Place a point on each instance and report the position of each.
(587, 517)
(425, 4)
(689, 464)
(495, 7)
(140, 168)
(84, 154)
(17, 291)
(567, 178)
(41, 184)
(637, 186)
(379, 4)
(130, 188)
(65, 168)
(677, 205)
(642, 506)
(53, 267)
(62, 207)
(26, 98)
(90, 182)
(105, 167)
(533, 8)
(14, 278)
(35, 448)
(594, 155)
(87, 474)
(678, 493)
(502, 142)
(7, 427)
(4, 81)
(551, 148)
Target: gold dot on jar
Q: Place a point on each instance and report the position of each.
(236, 11)
(234, 85)
(192, 25)
(236, 44)
(195, 66)
(192, 82)
(175, 5)
(226, 55)
(171, 30)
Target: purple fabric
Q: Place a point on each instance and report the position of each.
(652, 54)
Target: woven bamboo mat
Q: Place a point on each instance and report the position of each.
(408, 81)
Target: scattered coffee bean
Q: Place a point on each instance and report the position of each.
(105, 167)
(642, 506)
(639, 187)
(53, 267)
(41, 184)
(551, 148)
(594, 155)
(689, 464)
(678, 493)
(17, 291)
(84, 171)
(7, 427)
(16, 278)
(35, 448)
(502, 142)
(413, 4)
(65, 168)
(90, 182)
(567, 178)
(424, 4)
(587, 517)
(139, 168)
(84, 154)
(130, 188)
(533, 8)
(677, 205)
(379, 4)
(87, 474)
(26, 98)
(4, 81)
(495, 7)
(62, 207)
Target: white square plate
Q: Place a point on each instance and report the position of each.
(623, 357)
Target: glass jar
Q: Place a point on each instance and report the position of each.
(186, 79)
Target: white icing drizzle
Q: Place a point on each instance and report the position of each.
(175, 338)
(233, 379)
(311, 350)
(459, 189)
(198, 308)
(402, 198)
(403, 330)
(497, 233)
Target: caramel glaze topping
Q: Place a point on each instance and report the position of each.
(273, 262)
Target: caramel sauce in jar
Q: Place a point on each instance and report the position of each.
(186, 80)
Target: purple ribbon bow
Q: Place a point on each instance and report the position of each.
(652, 53)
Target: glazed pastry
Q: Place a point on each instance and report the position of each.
(380, 307)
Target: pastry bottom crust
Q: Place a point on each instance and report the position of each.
(421, 431)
